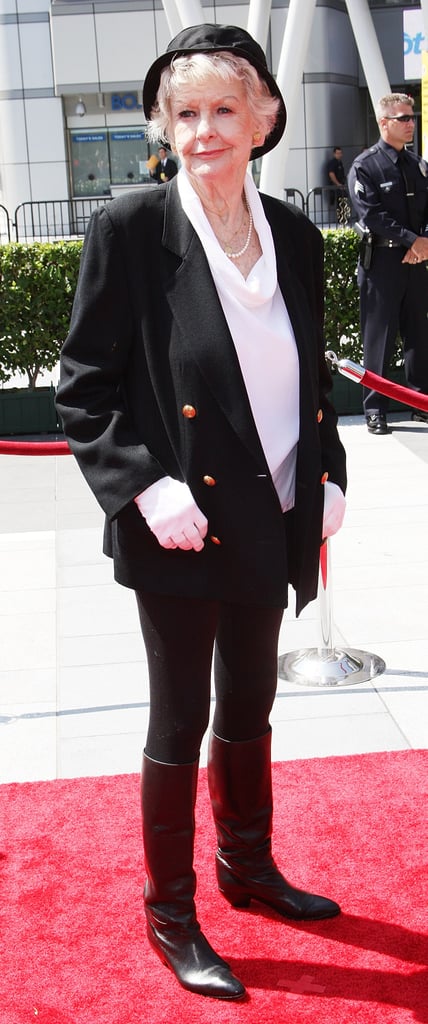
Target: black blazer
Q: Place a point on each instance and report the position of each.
(151, 385)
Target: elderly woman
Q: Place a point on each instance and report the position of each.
(193, 395)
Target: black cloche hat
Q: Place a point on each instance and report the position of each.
(213, 39)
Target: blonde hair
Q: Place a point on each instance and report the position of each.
(195, 70)
(385, 104)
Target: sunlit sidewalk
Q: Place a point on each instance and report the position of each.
(73, 674)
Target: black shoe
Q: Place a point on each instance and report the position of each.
(421, 417)
(376, 423)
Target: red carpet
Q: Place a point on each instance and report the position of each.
(73, 946)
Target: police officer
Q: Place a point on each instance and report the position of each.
(389, 188)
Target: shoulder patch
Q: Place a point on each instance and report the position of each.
(369, 152)
(362, 157)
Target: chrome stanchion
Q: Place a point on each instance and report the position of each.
(327, 665)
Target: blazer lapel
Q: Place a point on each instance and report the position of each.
(294, 297)
(199, 317)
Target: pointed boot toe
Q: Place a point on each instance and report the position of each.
(196, 965)
(297, 904)
(309, 907)
(217, 982)
(239, 886)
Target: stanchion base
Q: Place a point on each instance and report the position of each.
(337, 667)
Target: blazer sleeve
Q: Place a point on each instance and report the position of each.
(300, 256)
(90, 398)
(333, 454)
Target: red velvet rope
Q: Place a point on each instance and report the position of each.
(34, 448)
(369, 379)
(397, 391)
(324, 562)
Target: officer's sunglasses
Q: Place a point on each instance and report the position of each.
(402, 118)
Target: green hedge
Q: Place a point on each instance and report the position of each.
(342, 312)
(342, 308)
(38, 281)
(37, 284)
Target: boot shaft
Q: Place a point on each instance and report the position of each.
(168, 796)
(240, 785)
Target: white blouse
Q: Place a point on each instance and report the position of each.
(262, 334)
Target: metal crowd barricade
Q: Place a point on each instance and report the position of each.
(56, 219)
(50, 220)
(4, 225)
(328, 207)
(294, 195)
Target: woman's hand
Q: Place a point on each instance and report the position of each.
(172, 514)
(334, 509)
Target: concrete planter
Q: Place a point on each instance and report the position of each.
(26, 411)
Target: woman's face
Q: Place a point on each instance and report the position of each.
(213, 128)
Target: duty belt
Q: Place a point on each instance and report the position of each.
(388, 243)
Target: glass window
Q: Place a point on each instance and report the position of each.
(112, 156)
(128, 154)
(90, 169)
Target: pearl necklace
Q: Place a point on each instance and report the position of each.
(226, 245)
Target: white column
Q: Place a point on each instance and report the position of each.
(289, 78)
(368, 49)
(33, 160)
(424, 9)
(190, 13)
(258, 20)
(172, 17)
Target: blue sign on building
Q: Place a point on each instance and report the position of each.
(125, 101)
(90, 137)
(127, 136)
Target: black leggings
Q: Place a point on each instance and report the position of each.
(180, 635)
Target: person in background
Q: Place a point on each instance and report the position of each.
(388, 184)
(193, 394)
(336, 170)
(339, 195)
(167, 167)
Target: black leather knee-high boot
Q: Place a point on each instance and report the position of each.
(168, 804)
(239, 779)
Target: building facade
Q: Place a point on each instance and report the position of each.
(71, 72)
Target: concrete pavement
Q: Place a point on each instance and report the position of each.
(73, 674)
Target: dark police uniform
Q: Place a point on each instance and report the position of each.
(389, 192)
